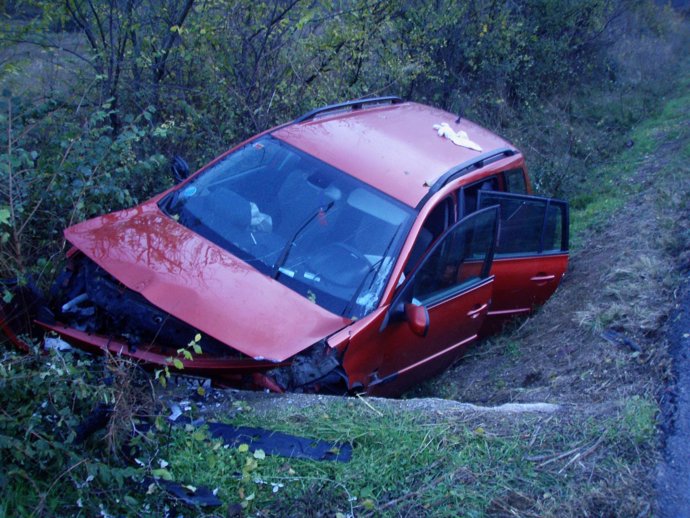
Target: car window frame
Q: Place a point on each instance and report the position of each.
(451, 217)
(460, 192)
(403, 290)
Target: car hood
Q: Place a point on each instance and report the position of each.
(202, 284)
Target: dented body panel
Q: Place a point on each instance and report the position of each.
(198, 282)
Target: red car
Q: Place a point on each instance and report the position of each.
(362, 247)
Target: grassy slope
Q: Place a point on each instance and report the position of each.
(612, 184)
(427, 463)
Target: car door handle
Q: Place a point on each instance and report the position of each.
(543, 277)
(474, 313)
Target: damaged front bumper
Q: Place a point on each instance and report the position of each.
(228, 371)
(96, 313)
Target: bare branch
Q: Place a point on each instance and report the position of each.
(80, 19)
(98, 23)
(159, 70)
(49, 45)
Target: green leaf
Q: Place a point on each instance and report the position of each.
(259, 454)
(178, 363)
(131, 500)
(4, 216)
(162, 473)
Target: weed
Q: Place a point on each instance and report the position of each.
(43, 400)
(637, 422)
(512, 348)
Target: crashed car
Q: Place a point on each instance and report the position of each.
(360, 248)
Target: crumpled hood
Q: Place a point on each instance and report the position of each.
(202, 284)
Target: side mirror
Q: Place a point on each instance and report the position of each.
(417, 318)
(179, 169)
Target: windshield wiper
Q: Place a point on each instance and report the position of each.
(288, 246)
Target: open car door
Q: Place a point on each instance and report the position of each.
(531, 252)
(435, 314)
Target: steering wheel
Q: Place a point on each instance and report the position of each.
(339, 264)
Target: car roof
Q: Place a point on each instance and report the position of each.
(394, 148)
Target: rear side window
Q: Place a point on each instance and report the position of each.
(435, 224)
(470, 193)
(528, 225)
(515, 181)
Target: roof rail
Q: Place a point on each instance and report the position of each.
(352, 105)
(467, 167)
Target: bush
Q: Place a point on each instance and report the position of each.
(51, 179)
(43, 399)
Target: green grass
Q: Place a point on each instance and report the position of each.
(406, 464)
(612, 184)
(444, 465)
(638, 420)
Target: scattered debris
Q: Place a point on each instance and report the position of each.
(96, 420)
(175, 412)
(58, 344)
(197, 496)
(271, 442)
(279, 443)
(618, 339)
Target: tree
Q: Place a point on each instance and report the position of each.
(129, 34)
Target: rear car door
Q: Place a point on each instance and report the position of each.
(453, 285)
(531, 252)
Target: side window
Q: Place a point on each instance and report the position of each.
(529, 225)
(515, 181)
(470, 192)
(459, 260)
(435, 224)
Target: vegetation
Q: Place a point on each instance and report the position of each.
(46, 469)
(96, 95)
(129, 83)
(403, 462)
